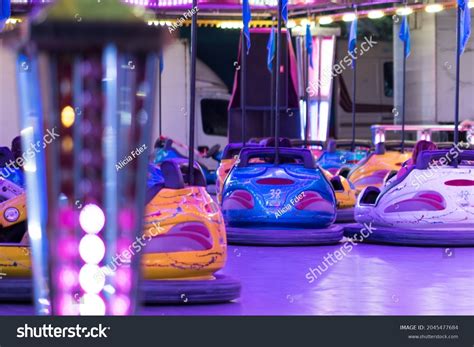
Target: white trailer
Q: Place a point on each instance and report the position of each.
(9, 111)
(212, 99)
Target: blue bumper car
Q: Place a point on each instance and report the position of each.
(290, 202)
(338, 158)
(165, 149)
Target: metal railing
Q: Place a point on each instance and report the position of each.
(424, 132)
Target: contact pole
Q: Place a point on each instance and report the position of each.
(159, 102)
(243, 85)
(354, 91)
(277, 83)
(272, 92)
(458, 65)
(404, 70)
(306, 128)
(192, 94)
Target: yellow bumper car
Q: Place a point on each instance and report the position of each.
(15, 263)
(374, 170)
(185, 241)
(346, 196)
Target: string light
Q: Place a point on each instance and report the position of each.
(291, 24)
(434, 8)
(68, 116)
(349, 17)
(237, 24)
(375, 14)
(304, 22)
(326, 20)
(404, 11)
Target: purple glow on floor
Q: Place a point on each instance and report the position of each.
(370, 280)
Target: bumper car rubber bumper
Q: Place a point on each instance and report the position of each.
(413, 237)
(345, 215)
(221, 289)
(269, 236)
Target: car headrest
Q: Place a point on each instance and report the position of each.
(233, 149)
(16, 147)
(172, 174)
(426, 157)
(168, 144)
(255, 140)
(164, 143)
(270, 142)
(175, 172)
(6, 156)
(380, 148)
(331, 146)
(285, 153)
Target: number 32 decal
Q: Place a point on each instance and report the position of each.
(275, 193)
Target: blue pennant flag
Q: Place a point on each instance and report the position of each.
(405, 35)
(246, 18)
(162, 62)
(309, 45)
(353, 39)
(284, 10)
(5, 12)
(465, 24)
(271, 50)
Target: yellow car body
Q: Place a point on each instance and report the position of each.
(14, 257)
(190, 207)
(15, 261)
(12, 204)
(169, 209)
(13, 211)
(373, 170)
(345, 194)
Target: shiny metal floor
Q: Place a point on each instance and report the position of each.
(362, 280)
(367, 280)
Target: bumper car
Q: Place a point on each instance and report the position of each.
(432, 204)
(373, 170)
(286, 203)
(345, 197)
(186, 241)
(337, 161)
(164, 149)
(231, 154)
(15, 264)
(338, 156)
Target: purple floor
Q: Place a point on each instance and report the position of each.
(369, 280)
